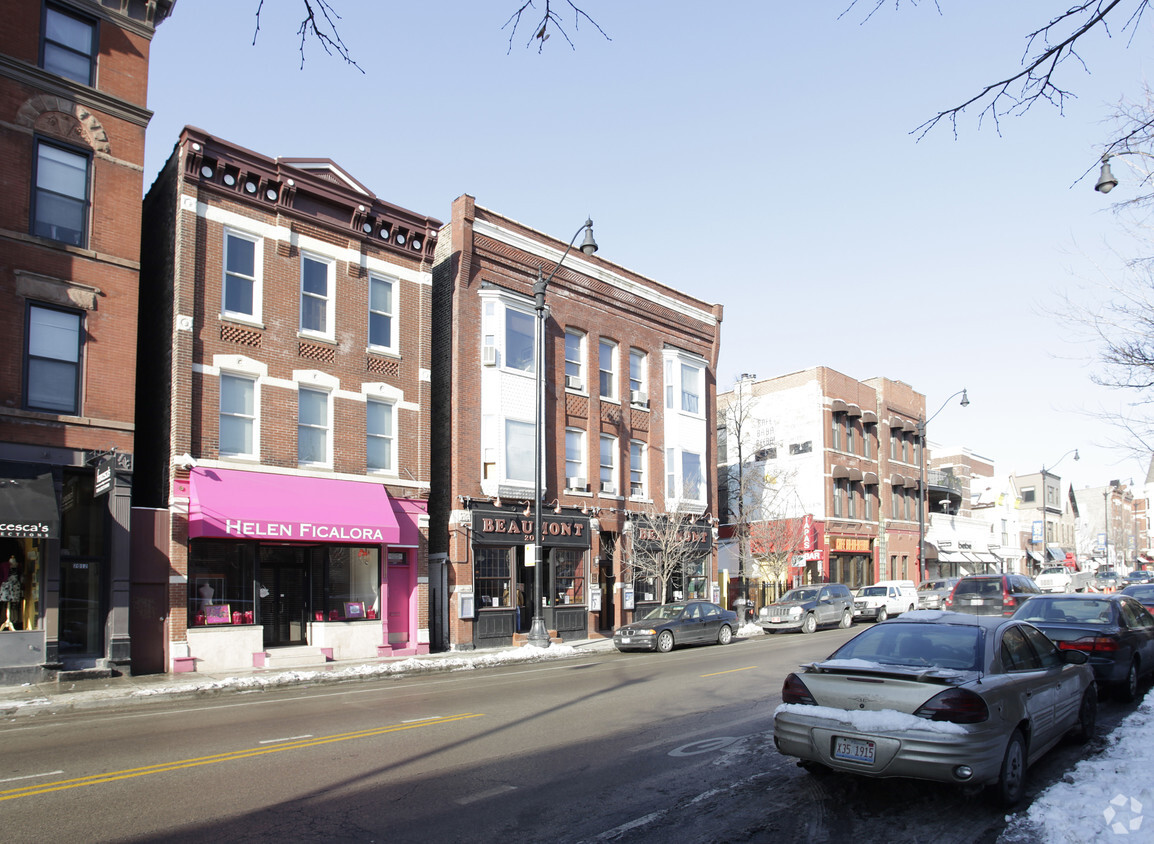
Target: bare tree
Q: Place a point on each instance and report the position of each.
(549, 17)
(667, 546)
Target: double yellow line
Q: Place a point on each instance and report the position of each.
(165, 767)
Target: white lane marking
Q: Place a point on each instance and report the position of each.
(703, 746)
(279, 740)
(485, 795)
(33, 776)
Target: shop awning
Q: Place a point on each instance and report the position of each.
(1035, 556)
(1056, 552)
(953, 557)
(28, 502)
(409, 513)
(231, 504)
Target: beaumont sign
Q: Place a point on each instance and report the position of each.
(494, 527)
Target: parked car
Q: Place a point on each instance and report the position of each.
(938, 696)
(991, 594)
(1115, 631)
(1137, 576)
(932, 593)
(885, 598)
(808, 608)
(1144, 592)
(680, 623)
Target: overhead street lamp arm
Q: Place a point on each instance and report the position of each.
(538, 634)
(1072, 451)
(1106, 180)
(922, 423)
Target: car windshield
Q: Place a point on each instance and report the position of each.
(798, 596)
(1054, 570)
(873, 591)
(667, 611)
(1067, 610)
(930, 585)
(939, 645)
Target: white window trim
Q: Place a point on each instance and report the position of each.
(328, 394)
(505, 452)
(393, 317)
(614, 479)
(392, 405)
(254, 377)
(644, 379)
(503, 341)
(644, 469)
(583, 471)
(582, 360)
(257, 315)
(615, 369)
(329, 332)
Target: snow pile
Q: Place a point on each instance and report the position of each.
(877, 721)
(448, 662)
(1106, 798)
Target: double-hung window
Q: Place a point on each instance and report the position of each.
(69, 45)
(382, 316)
(60, 197)
(638, 382)
(607, 364)
(691, 478)
(242, 275)
(54, 341)
(519, 336)
(574, 359)
(574, 457)
(238, 416)
(691, 381)
(637, 473)
(609, 464)
(314, 431)
(520, 440)
(380, 417)
(317, 281)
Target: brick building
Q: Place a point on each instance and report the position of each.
(628, 432)
(73, 84)
(820, 473)
(283, 405)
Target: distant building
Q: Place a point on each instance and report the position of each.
(1048, 522)
(627, 430)
(284, 414)
(1113, 517)
(73, 78)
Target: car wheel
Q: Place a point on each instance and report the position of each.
(1087, 716)
(725, 635)
(1129, 688)
(1012, 777)
(847, 619)
(809, 624)
(665, 641)
(882, 614)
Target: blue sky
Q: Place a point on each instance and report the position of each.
(755, 154)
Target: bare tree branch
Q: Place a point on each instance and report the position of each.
(548, 17)
(323, 29)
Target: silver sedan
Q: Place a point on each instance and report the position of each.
(941, 696)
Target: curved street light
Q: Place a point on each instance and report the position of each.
(538, 634)
(1042, 503)
(922, 423)
(1106, 179)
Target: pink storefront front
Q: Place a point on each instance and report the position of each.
(288, 561)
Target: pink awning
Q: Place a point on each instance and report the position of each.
(231, 504)
(409, 511)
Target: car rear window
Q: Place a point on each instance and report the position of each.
(941, 645)
(979, 587)
(1067, 610)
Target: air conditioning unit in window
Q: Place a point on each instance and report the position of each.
(575, 483)
(608, 488)
(639, 397)
(573, 382)
(488, 355)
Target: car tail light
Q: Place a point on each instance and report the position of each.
(959, 706)
(1009, 602)
(1091, 644)
(793, 690)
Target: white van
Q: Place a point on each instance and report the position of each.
(885, 598)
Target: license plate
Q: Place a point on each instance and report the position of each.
(855, 750)
(625, 640)
(776, 619)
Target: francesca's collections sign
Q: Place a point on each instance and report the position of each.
(494, 527)
(304, 531)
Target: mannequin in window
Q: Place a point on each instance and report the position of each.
(11, 592)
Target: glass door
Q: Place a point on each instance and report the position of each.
(283, 589)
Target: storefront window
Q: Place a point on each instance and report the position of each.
(493, 577)
(220, 582)
(349, 586)
(19, 584)
(570, 576)
(696, 582)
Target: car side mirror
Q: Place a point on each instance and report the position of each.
(1075, 657)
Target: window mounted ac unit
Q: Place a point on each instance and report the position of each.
(575, 483)
(488, 355)
(637, 490)
(639, 397)
(573, 382)
(609, 488)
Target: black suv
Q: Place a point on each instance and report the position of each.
(808, 607)
(991, 594)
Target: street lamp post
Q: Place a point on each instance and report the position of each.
(922, 423)
(538, 634)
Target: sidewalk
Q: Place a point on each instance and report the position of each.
(71, 695)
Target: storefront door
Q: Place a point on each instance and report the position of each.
(283, 591)
(80, 632)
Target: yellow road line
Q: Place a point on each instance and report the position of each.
(165, 767)
(730, 671)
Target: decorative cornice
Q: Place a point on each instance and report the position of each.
(50, 83)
